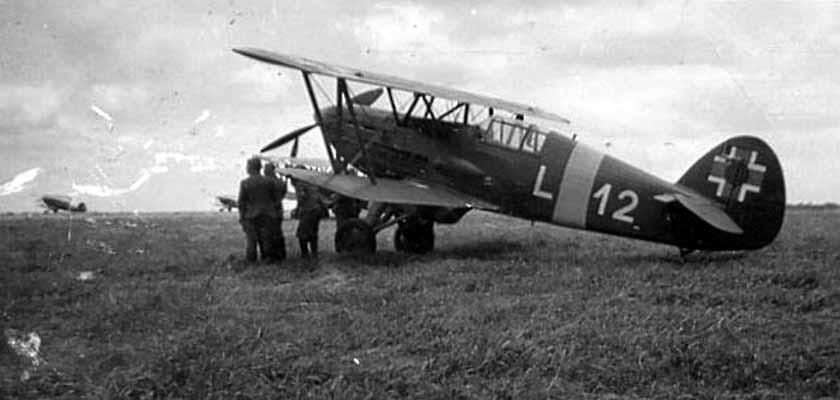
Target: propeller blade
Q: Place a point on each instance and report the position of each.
(293, 135)
(293, 154)
(367, 98)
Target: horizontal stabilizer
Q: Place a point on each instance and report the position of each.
(705, 210)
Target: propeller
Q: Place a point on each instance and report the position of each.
(367, 98)
(293, 153)
(293, 135)
(363, 99)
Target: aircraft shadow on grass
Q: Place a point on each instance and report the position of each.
(696, 259)
(501, 250)
(497, 249)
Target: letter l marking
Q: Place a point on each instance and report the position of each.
(538, 185)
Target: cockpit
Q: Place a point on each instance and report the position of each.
(513, 134)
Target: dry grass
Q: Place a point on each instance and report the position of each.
(500, 310)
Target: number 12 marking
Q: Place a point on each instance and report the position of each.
(622, 214)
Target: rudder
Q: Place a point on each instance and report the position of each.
(744, 177)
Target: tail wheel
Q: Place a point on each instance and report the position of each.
(355, 236)
(415, 235)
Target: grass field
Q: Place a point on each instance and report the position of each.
(501, 309)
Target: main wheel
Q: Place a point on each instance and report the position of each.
(415, 235)
(355, 236)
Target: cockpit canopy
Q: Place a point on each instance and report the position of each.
(513, 134)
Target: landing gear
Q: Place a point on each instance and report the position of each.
(415, 235)
(415, 231)
(355, 236)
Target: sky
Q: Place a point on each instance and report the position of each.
(143, 106)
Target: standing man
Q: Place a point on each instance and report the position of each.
(345, 208)
(257, 210)
(310, 211)
(278, 242)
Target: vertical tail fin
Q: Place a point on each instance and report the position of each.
(744, 176)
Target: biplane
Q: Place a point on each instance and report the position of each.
(431, 154)
(56, 202)
(226, 203)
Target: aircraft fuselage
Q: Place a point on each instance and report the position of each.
(554, 179)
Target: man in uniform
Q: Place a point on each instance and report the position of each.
(278, 243)
(257, 201)
(345, 208)
(310, 211)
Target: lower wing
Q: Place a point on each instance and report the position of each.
(389, 190)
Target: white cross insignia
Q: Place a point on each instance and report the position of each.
(732, 174)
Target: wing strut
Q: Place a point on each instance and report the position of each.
(339, 99)
(411, 108)
(429, 103)
(318, 118)
(393, 106)
(451, 110)
(342, 87)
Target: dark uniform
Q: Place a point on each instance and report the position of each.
(311, 209)
(257, 209)
(278, 242)
(344, 208)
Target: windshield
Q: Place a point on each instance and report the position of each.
(513, 134)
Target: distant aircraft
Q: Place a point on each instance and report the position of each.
(54, 203)
(447, 152)
(227, 202)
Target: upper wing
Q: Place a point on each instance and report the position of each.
(388, 190)
(373, 78)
